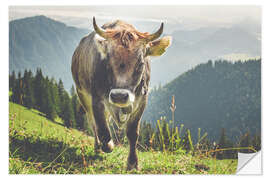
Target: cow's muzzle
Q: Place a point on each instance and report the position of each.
(121, 97)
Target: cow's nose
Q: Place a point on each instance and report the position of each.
(119, 97)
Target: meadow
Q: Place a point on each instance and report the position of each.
(39, 146)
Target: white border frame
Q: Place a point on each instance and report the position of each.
(4, 76)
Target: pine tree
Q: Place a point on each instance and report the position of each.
(222, 144)
(55, 95)
(74, 103)
(61, 95)
(28, 99)
(80, 117)
(48, 107)
(61, 90)
(77, 109)
(223, 139)
(38, 89)
(256, 142)
(74, 100)
(245, 142)
(225, 143)
(18, 91)
(12, 81)
(67, 113)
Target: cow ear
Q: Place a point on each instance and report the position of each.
(158, 47)
(101, 46)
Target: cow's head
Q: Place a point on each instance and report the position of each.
(126, 52)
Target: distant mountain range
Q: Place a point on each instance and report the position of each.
(190, 48)
(43, 42)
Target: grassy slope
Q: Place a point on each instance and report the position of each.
(39, 146)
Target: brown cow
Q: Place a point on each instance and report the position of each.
(111, 70)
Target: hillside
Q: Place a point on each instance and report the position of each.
(212, 96)
(40, 42)
(39, 146)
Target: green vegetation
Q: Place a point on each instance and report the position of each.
(40, 146)
(212, 96)
(47, 96)
(50, 135)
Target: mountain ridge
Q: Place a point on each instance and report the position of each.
(42, 42)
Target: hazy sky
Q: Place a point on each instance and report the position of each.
(213, 14)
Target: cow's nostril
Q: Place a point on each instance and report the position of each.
(125, 96)
(119, 97)
(115, 96)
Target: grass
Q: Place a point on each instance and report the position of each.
(40, 146)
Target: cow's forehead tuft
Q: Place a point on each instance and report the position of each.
(125, 34)
(118, 24)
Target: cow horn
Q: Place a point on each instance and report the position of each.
(155, 35)
(98, 30)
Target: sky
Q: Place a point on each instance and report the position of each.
(209, 14)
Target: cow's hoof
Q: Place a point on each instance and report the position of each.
(132, 166)
(98, 151)
(107, 148)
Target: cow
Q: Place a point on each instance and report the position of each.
(111, 71)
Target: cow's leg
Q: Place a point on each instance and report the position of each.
(103, 133)
(132, 135)
(86, 102)
(94, 129)
(97, 142)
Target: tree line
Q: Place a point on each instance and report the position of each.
(47, 96)
(211, 96)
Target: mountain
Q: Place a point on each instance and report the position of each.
(190, 48)
(228, 40)
(212, 96)
(42, 42)
(250, 25)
